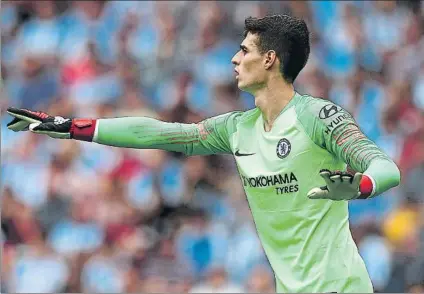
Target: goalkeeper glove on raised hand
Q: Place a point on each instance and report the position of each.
(342, 186)
(53, 126)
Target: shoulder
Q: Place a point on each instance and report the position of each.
(316, 106)
(234, 118)
(227, 122)
(242, 119)
(313, 108)
(248, 115)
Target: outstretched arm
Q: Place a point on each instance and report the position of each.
(210, 136)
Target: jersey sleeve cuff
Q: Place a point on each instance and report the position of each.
(83, 129)
(366, 187)
(96, 131)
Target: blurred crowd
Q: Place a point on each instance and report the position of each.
(84, 217)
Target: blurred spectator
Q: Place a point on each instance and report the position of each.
(100, 219)
(260, 280)
(38, 270)
(201, 243)
(175, 275)
(216, 281)
(78, 233)
(377, 257)
(102, 274)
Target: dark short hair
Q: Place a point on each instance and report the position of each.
(287, 35)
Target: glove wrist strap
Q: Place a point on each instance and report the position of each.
(366, 187)
(83, 129)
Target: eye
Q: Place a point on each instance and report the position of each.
(243, 49)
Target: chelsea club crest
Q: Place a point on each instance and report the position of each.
(283, 148)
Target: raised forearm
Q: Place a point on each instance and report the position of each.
(365, 156)
(384, 173)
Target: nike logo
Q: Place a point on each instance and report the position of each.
(242, 154)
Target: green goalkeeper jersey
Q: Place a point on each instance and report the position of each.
(308, 242)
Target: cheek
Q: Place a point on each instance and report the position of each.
(252, 67)
(247, 65)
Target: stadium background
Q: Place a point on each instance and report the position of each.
(84, 217)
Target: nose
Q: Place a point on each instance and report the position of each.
(235, 60)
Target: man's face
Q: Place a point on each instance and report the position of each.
(249, 65)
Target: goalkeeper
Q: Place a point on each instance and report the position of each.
(292, 152)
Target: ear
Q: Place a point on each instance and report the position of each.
(270, 59)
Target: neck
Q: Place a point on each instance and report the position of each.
(272, 99)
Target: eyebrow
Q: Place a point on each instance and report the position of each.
(242, 47)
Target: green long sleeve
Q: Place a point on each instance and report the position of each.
(210, 136)
(333, 128)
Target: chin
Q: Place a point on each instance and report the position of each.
(244, 88)
(241, 86)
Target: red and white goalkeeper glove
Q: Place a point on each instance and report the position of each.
(342, 186)
(53, 126)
